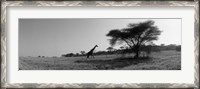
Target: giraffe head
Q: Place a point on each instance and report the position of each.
(96, 45)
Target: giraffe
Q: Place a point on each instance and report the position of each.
(90, 53)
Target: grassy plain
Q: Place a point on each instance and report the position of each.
(164, 60)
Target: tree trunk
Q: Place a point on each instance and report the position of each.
(137, 53)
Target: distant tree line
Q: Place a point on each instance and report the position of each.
(124, 50)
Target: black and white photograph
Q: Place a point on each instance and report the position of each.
(100, 44)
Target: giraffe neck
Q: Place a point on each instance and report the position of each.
(93, 49)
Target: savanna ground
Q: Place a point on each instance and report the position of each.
(164, 60)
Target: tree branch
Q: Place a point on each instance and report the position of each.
(127, 42)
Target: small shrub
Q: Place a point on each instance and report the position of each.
(178, 48)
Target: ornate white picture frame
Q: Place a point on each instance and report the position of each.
(137, 4)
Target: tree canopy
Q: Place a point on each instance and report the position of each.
(135, 35)
(110, 48)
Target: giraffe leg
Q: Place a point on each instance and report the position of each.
(87, 56)
(93, 56)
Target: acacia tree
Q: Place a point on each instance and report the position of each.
(110, 49)
(135, 35)
(122, 47)
(82, 52)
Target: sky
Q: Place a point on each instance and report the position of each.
(54, 37)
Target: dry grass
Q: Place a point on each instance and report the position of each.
(165, 60)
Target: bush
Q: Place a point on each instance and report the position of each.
(178, 48)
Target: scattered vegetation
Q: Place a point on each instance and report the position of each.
(125, 50)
